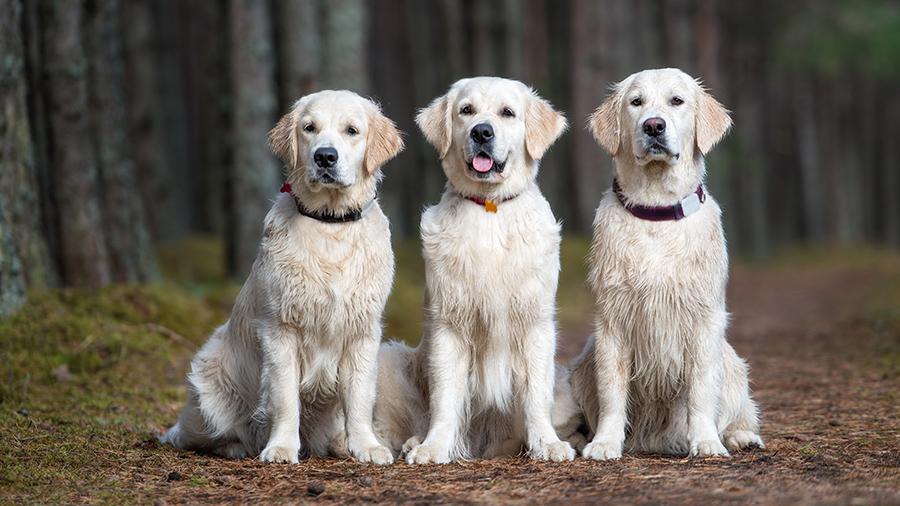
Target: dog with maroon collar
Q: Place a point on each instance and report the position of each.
(658, 374)
(491, 250)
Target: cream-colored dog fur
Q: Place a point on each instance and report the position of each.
(295, 365)
(658, 374)
(487, 353)
(401, 406)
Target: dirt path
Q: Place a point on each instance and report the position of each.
(831, 423)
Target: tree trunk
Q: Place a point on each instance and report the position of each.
(889, 184)
(299, 51)
(19, 196)
(402, 199)
(345, 38)
(591, 166)
(74, 178)
(12, 280)
(255, 177)
(145, 117)
(128, 239)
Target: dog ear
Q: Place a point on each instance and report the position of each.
(604, 122)
(543, 125)
(435, 122)
(712, 121)
(283, 137)
(383, 142)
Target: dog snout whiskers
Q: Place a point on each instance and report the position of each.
(482, 133)
(654, 127)
(325, 157)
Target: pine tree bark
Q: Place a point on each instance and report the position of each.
(299, 51)
(130, 249)
(255, 174)
(344, 41)
(74, 175)
(19, 198)
(14, 146)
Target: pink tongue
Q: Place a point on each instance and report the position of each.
(482, 163)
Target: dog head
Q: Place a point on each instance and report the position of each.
(490, 133)
(659, 115)
(332, 141)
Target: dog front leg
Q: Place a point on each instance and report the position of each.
(543, 442)
(448, 381)
(703, 394)
(280, 400)
(612, 369)
(357, 376)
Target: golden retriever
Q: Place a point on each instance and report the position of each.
(658, 374)
(295, 365)
(491, 250)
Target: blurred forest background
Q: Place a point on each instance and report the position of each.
(129, 125)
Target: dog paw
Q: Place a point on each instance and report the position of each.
(559, 451)
(376, 455)
(602, 451)
(409, 445)
(578, 441)
(428, 454)
(235, 450)
(743, 439)
(708, 448)
(280, 454)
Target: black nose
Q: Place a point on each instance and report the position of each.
(482, 133)
(325, 157)
(654, 127)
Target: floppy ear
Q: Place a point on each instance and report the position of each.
(543, 125)
(383, 142)
(712, 121)
(434, 122)
(604, 122)
(283, 137)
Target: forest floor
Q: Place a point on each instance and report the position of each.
(822, 334)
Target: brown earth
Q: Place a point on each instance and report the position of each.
(831, 424)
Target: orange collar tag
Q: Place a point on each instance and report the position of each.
(490, 207)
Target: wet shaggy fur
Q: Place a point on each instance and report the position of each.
(294, 367)
(658, 374)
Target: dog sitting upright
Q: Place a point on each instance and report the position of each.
(658, 374)
(295, 365)
(491, 250)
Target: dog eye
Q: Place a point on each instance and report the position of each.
(636, 102)
(466, 109)
(508, 113)
(677, 101)
(352, 130)
(309, 128)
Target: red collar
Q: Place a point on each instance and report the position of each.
(489, 206)
(682, 209)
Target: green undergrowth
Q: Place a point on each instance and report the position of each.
(86, 374)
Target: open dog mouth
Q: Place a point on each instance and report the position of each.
(483, 165)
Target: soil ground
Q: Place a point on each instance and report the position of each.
(824, 372)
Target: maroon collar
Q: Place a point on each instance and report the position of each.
(489, 205)
(683, 208)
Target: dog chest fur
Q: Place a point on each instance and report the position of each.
(658, 299)
(348, 285)
(492, 277)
